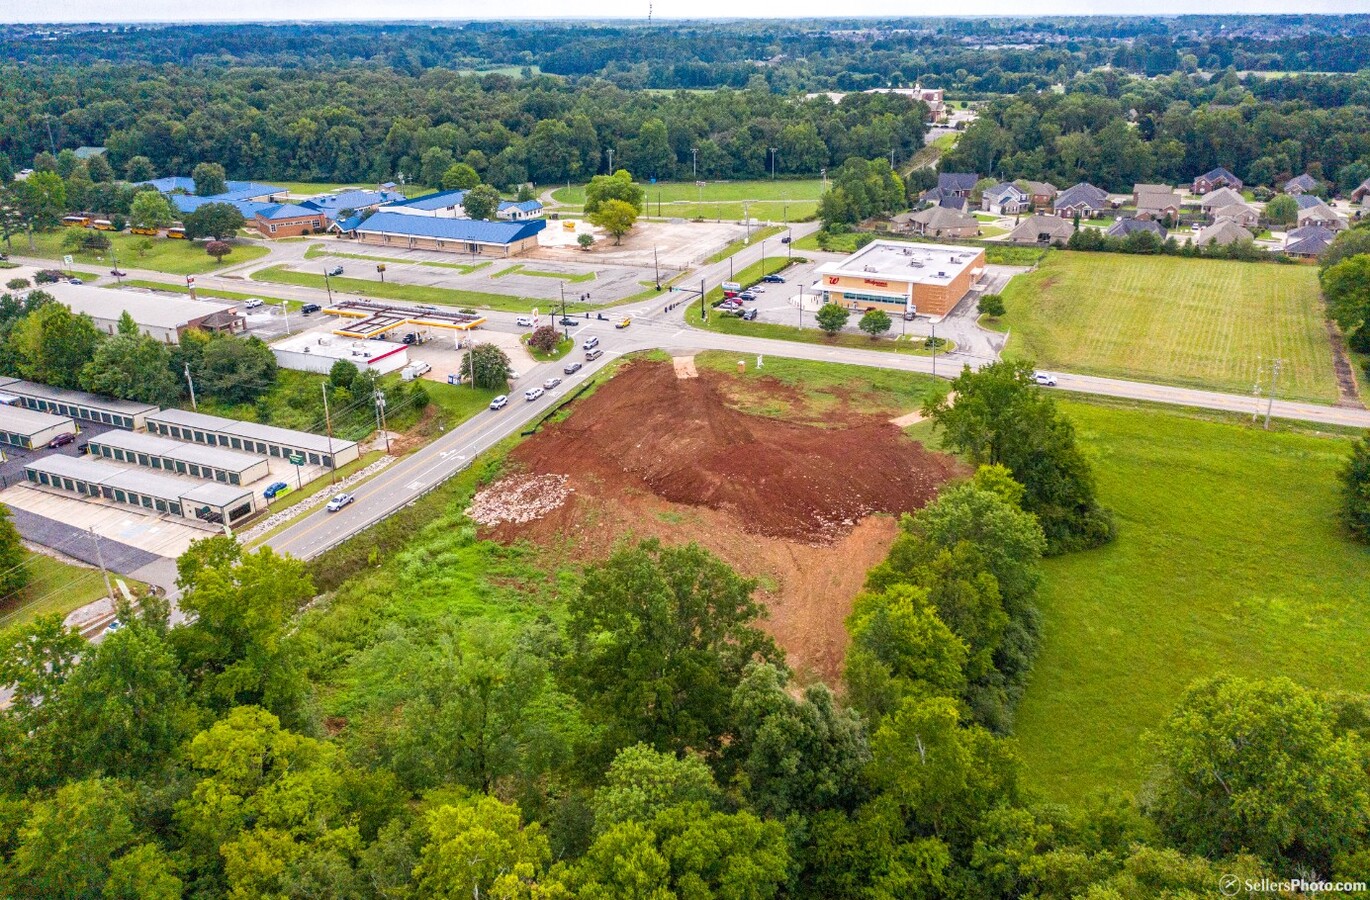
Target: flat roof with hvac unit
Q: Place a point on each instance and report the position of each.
(378, 318)
(162, 316)
(149, 491)
(927, 278)
(27, 428)
(265, 440)
(195, 460)
(77, 404)
(313, 352)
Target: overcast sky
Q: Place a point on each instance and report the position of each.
(275, 10)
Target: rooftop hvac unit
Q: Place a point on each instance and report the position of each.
(941, 274)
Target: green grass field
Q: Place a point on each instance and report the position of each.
(736, 246)
(204, 292)
(416, 293)
(322, 251)
(172, 257)
(306, 189)
(54, 587)
(780, 200)
(1192, 322)
(1229, 558)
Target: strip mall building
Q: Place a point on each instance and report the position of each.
(903, 278)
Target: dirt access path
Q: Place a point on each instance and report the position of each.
(805, 510)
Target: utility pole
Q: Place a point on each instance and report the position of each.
(934, 347)
(773, 152)
(52, 145)
(656, 270)
(611, 161)
(328, 285)
(763, 257)
(1274, 380)
(694, 162)
(332, 463)
(703, 309)
(190, 381)
(747, 220)
(100, 558)
(380, 416)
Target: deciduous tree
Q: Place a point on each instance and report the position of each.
(1355, 486)
(617, 217)
(210, 179)
(220, 221)
(875, 322)
(133, 367)
(218, 250)
(459, 176)
(618, 186)
(481, 202)
(486, 366)
(150, 210)
(832, 318)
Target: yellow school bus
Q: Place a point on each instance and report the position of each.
(102, 225)
(141, 229)
(76, 221)
(176, 233)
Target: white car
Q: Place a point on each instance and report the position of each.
(499, 402)
(524, 321)
(252, 303)
(1046, 379)
(550, 383)
(339, 501)
(590, 343)
(532, 394)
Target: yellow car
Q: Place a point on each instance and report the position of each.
(623, 323)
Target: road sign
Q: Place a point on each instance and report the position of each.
(296, 459)
(67, 261)
(190, 281)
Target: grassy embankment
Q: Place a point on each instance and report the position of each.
(163, 255)
(768, 201)
(416, 293)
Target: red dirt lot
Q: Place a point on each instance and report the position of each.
(805, 510)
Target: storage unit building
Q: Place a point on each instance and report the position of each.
(20, 427)
(149, 491)
(77, 404)
(195, 460)
(264, 440)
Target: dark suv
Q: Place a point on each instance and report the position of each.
(310, 308)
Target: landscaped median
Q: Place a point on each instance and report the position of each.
(751, 275)
(414, 293)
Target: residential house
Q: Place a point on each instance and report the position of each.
(1083, 200)
(1159, 206)
(938, 221)
(1040, 229)
(1321, 214)
(1220, 198)
(1361, 192)
(1243, 214)
(1128, 225)
(957, 184)
(1300, 184)
(1218, 178)
(1041, 193)
(279, 220)
(1309, 241)
(1223, 232)
(1005, 199)
(1139, 189)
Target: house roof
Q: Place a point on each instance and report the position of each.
(1305, 201)
(1041, 187)
(943, 217)
(1140, 189)
(1225, 231)
(1004, 188)
(528, 206)
(1304, 182)
(1310, 240)
(1128, 225)
(432, 202)
(1030, 229)
(1082, 194)
(474, 230)
(1158, 201)
(952, 202)
(351, 223)
(957, 181)
(147, 309)
(1236, 211)
(1223, 196)
(1320, 212)
(1220, 173)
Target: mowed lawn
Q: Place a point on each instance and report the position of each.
(1191, 322)
(163, 255)
(1229, 558)
(779, 200)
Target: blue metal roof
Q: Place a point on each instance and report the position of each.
(276, 211)
(357, 199)
(433, 202)
(474, 230)
(351, 223)
(528, 206)
(188, 203)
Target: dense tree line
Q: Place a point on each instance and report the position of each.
(371, 125)
(985, 55)
(1116, 131)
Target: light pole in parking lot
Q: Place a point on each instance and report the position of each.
(328, 285)
(566, 328)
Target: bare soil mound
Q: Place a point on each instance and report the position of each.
(679, 440)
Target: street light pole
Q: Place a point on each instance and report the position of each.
(656, 270)
(773, 152)
(564, 327)
(611, 162)
(694, 162)
(328, 285)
